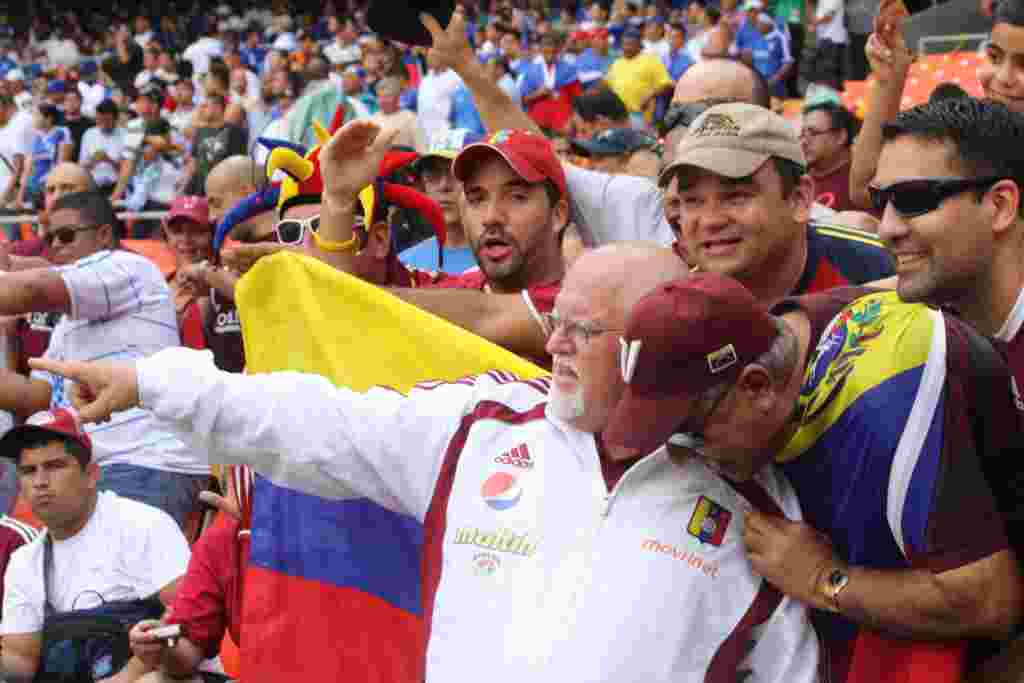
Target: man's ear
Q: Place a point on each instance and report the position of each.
(92, 471)
(756, 383)
(802, 198)
(105, 235)
(378, 242)
(560, 216)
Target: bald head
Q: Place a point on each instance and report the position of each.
(66, 178)
(622, 272)
(721, 78)
(231, 181)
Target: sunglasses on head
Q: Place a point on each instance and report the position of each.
(682, 115)
(66, 234)
(293, 230)
(916, 197)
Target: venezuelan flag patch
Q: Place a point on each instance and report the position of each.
(709, 521)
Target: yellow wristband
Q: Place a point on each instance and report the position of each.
(326, 245)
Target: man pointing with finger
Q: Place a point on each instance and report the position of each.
(547, 556)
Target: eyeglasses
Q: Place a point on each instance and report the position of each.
(814, 132)
(916, 197)
(293, 230)
(66, 234)
(581, 332)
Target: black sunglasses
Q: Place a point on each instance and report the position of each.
(682, 115)
(66, 234)
(916, 197)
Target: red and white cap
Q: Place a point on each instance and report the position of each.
(195, 209)
(530, 155)
(62, 421)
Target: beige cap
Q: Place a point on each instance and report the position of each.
(734, 140)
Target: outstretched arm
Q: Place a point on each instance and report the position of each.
(890, 62)
(451, 49)
(503, 319)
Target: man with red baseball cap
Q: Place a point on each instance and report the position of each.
(514, 206)
(189, 234)
(866, 402)
(98, 548)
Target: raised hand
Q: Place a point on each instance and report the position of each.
(451, 48)
(104, 388)
(350, 160)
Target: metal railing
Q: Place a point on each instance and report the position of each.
(124, 216)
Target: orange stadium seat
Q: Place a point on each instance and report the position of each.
(926, 73)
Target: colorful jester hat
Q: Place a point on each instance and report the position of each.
(303, 184)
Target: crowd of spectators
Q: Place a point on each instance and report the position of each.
(609, 190)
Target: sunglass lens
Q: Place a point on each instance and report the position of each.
(913, 199)
(289, 232)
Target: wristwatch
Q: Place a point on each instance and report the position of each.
(835, 583)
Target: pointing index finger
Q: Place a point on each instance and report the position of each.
(430, 23)
(56, 367)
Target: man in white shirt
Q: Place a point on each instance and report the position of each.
(16, 132)
(545, 550)
(201, 51)
(343, 49)
(116, 304)
(829, 26)
(389, 91)
(98, 547)
(434, 99)
(103, 147)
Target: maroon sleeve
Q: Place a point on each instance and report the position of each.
(201, 602)
(978, 503)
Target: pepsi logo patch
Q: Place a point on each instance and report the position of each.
(501, 491)
(486, 564)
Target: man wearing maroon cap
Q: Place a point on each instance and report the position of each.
(98, 547)
(543, 549)
(514, 207)
(885, 416)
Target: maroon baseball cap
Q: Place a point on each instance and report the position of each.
(530, 155)
(195, 209)
(62, 421)
(682, 339)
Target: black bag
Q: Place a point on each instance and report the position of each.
(82, 646)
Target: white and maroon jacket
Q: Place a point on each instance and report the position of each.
(532, 569)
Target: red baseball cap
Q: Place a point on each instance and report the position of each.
(195, 209)
(62, 421)
(682, 339)
(530, 155)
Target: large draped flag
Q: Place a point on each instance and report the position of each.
(333, 586)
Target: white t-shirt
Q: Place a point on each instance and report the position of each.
(110, 143)
(200, 52)
(15, 138)
(835, 29)
(121, 309)
(616, 207)
(434, 101)
(126, 551)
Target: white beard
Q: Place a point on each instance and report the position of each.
(565, 406)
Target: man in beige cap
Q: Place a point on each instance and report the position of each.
(738, 198)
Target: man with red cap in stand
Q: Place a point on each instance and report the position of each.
(99, 549)
(888, 419)
(189, 235)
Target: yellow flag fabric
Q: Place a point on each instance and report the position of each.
(315, 565)
(298, 313)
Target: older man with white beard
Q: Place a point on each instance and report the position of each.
(550, 538)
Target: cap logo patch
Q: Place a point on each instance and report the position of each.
(629, 353)
(722, 359)
(717, 124)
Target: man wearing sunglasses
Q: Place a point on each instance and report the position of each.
(114, 304)
(885, 417)
(948, 185)
(543, 550)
